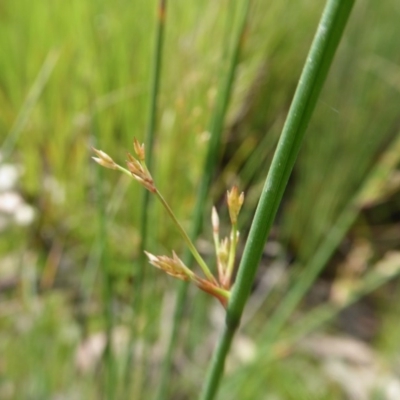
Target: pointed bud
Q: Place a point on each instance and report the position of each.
(235, 203)
(104, 159)
(215, 220)
(139, 149)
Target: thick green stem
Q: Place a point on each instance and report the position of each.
(110, 378)
(218, 361)
(327, 38)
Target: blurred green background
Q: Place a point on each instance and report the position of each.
(76, 74)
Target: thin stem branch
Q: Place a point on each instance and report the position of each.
(187, 239)
(124, 170)
(232, 254)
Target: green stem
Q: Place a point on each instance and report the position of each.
(187, 239)
(215, 129)
(109, 381)
(217, 290)
(151, 128)
(327, 38)
(149, 140)
(223, 292)
(219, 264)
(218, 361)
(124, 170)
(232, 254)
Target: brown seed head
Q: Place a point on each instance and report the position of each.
(104, 159)
(172, 266)
(141, 174)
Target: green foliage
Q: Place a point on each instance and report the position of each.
(77, 74)
(38, 342)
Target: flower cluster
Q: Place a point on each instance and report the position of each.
(225, 249)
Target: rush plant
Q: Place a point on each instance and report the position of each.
(234, 298)
(225, 249)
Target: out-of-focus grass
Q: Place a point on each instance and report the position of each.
(347, 137)
(102, 78)
(103, 72)
(38, 348)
